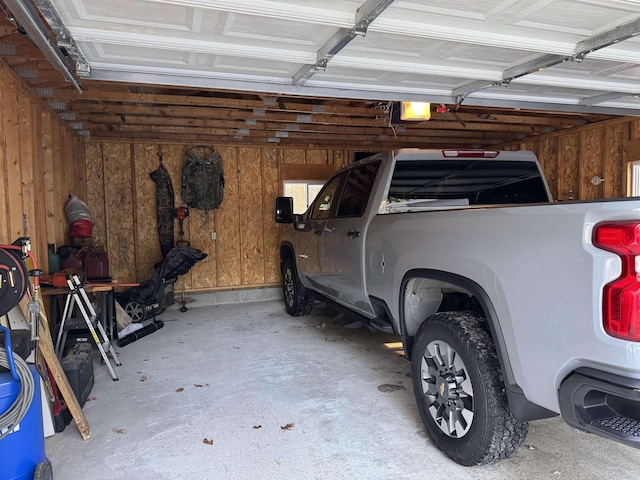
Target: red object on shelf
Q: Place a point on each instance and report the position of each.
(81, 229)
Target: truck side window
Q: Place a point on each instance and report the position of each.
(355, 194)
(322, 205)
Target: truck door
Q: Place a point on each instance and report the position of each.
(343, 240)
(309, 247)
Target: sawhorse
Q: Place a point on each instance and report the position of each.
(77, 296)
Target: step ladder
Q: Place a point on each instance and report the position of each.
(77, 297)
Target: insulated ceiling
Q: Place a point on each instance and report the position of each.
(564, 55)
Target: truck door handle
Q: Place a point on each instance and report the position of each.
(353, 234)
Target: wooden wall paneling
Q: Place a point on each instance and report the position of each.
(69, 162)
(591, 163)
(228, 252)
(294, 155)
(631, 153)
(632, 150)
(70, 137)
(60, 191)
(568, 167)
(80, 166)
(531, 145)
(634, 128)
(96, 191)
(27, 133)
(271, 189)
(119, 211)
(39, 231)
(335, 157)
(204, 274)
(294, 171)
(320, 157)
(147, 246)
(4, 206)
(342, 158)
(48, 179)
(251, 215)
(548, 157)
(613, 160)
(12, 143)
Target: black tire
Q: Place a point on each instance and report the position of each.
(136, 311)
(296, 301)
(43, 471)
(460, 392)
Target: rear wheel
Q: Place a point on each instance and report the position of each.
(295, 297)
(136, 311)
(460, 392)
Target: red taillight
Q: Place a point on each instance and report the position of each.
(621, 298)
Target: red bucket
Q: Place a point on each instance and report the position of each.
(81, 229)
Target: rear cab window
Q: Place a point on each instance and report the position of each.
(438, 184)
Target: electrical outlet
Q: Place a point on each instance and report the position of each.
(213, 235)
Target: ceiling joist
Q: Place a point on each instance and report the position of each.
(286, 71)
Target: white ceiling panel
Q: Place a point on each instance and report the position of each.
(560, 53)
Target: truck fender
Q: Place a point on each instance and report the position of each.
(520, 407)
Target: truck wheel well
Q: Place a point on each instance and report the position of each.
(425, 296)
(426, 292)
(286, 252)
(460, 302)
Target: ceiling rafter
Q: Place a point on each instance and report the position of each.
(222, 70)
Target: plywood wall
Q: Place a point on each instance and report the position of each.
(572, 158)
(41, 164)
(245, 252)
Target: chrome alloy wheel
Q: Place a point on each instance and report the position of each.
(447, 390)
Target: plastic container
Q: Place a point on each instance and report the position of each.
(96, 265)
(22, 451)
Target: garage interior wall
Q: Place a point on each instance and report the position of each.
(122, 198)
(41, 163)
(572, 158)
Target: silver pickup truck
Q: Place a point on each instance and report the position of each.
(510, 307)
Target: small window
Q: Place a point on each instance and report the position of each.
(303, 193)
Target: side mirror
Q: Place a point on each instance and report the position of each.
(284, 210)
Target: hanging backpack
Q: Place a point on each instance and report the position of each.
(202, 178)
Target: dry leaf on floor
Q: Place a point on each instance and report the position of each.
(207, 441)
(257, 426)
(200, 386)
(91, 398)
(120, 430)
(288, 426)
(143, 378)
(178, 390)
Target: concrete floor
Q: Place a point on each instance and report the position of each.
(246, 392)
